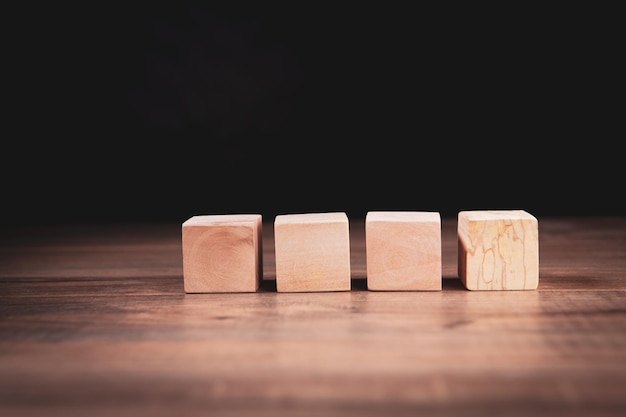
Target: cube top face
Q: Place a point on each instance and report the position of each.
(312, 252)
(403, 251)
(403, 216)
(222, 253)
(222, 219)
(311, 218)
(498, 250)
(486, 215)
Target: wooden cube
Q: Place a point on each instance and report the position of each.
(222, 253)
(312, 252)
(403, 250)
(498, 250)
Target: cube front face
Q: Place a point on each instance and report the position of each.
(312, 252)
(222, 253)
(498, 250)
(403, 251)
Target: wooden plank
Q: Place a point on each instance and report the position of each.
(95, 321)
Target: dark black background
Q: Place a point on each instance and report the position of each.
(150, 113)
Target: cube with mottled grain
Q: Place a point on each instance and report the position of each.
(312, 252)
(498, 250)
(222, 253)
(403, 250)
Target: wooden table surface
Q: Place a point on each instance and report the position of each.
(94, 322)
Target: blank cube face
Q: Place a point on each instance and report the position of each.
(498, 250)
(222, 253)
(312, 252)
(403, 251)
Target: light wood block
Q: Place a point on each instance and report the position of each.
(498, 250)
(222, 253)
(403, 250)
(312, 252)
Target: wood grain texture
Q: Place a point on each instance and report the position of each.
(312, 252)
(498, 250)
(403, 251)
(94, 320)
(222, 253)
